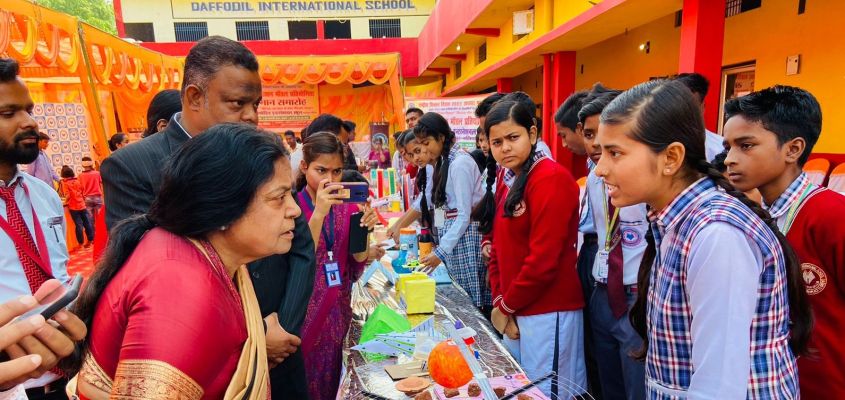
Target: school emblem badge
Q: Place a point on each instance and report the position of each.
(815, 279)
(519, 209)
(630, 237)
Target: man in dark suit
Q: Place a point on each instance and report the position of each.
(221, 84)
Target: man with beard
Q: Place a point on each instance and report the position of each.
(32, 246)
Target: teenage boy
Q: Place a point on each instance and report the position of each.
(699, 86)
(621, 244)
(566, 123)
(770, 135)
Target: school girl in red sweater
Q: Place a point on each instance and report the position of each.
(537, 295)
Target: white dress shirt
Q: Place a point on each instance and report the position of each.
(463, 191)
(50, 211)
(722, 283)
(295, 160)
(429, 178)
(714, 144)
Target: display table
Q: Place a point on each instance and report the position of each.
(452, 303)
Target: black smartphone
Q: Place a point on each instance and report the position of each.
(357, 234)
(355, 192)
(57, 300)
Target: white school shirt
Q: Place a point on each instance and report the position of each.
(464, 190)
(714, 144)
(723, 299)
(429, 171)
(633, 225)
(51, 217)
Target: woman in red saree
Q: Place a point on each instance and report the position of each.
(171, 311)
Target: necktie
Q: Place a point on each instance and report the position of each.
(615, 287)
(35, 276)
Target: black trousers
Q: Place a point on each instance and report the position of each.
(287, 381)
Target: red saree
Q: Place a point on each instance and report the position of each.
(166, 327)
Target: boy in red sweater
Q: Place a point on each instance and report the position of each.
(537, 294)
(770, 135)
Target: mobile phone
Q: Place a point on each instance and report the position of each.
(357, 234)
(355, 192)
(56, 300)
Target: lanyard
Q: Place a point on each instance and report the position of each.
(609, 225)
(793, 210)
(41, 254)
(328, 235)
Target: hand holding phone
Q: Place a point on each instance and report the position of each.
(56, 339)
(57, 299)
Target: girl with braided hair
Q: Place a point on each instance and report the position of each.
(723, 312)
(456, 189)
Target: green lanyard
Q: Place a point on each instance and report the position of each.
(793, 210)
(608, 224)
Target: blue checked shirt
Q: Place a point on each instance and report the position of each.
(779, 209)
(717, 306)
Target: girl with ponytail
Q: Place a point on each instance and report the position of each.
(456, 183)
(537, 295)
(419, 159)
(722, 309)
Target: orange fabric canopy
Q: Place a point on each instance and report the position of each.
(340, 71)
(52, 45)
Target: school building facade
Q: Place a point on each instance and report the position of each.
(550, 48)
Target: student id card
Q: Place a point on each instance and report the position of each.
(602, 258)
(332, 271)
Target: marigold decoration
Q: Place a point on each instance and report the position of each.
(447, 366)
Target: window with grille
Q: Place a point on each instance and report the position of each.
(337, 29)
(734, 7)
(141, 31)
(482, 53)
(302, 29)
(458, 70)
(190, 31)
(252, 30)
(385, 28)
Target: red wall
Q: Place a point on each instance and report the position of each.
(447, 21)
(407, 47)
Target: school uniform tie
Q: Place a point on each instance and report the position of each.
(35, 276)
(615, 287)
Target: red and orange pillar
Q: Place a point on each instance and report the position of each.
(702, 39)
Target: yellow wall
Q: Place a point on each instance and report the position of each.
(160, 13)
(531, 83)
(775, 31)
(619, 63)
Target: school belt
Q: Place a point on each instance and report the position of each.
(451, 214)
(629, 289)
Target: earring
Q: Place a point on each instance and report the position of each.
(223, 228)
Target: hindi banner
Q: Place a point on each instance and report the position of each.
(286, 107)
(458, 111)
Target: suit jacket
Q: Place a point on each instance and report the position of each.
(131, 179)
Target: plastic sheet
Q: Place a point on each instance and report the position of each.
(452, 303)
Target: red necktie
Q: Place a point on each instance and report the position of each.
(34, 274)
(615, 287)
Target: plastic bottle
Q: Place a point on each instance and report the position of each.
(426, 243)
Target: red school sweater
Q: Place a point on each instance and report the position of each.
(818, 237)
(532, 262)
